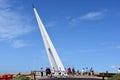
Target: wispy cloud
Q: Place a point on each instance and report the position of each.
(51, 24)
(97, 49)
(3, 4)
(88, 50)
(92, 15)
(18, 43)
(118, 47)
(113, 66)
(102, 44)
(12, 23)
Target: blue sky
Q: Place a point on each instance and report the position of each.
(86, 33)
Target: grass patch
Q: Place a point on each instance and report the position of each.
(115, 77)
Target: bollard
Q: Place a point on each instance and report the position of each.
(0, 77)
(10, 77)
(4, 77)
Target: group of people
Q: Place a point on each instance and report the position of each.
(83, 72)
(86, 71)
(67, 73)
(48, 71)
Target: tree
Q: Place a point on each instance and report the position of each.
(22, 77)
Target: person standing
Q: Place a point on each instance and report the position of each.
(86, 71)
(83, 71)
(73, 71)
(41, 71)
(46, 71)
(118, 71)
(65, 73)
(53, 72)
(69, 71)
(91, 71)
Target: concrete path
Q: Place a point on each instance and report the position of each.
(69, 79)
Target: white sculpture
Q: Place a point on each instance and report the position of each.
(51, 51)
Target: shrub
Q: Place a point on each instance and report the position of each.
(115, 77)
(22, 77)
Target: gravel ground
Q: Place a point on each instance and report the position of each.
(69, 79)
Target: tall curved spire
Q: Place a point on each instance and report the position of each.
(50, 49)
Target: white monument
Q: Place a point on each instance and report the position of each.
(51, 51)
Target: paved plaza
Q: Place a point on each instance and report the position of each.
(69, 79)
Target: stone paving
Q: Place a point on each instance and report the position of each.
(69, 79)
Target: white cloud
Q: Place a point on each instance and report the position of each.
(12, 23)
(18, 43)
(88, 16)
(3, 4)
(95, 49)
(118, 47)
(92, 15)
(51, 24)
(88, 50)
(68, 17)
(113, 66)
(102, 44)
